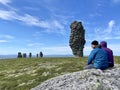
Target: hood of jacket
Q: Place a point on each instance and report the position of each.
(103, 44)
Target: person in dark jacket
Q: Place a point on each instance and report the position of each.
(103, 45)
(98, 57)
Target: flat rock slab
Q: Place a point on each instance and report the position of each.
(91, 79)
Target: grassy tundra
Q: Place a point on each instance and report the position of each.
(25, 73)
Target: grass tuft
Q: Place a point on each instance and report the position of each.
(23, 74)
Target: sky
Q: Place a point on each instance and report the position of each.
(44, 25)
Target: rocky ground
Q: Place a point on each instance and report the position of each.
(92, 79)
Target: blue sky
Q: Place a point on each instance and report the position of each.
(44, 25)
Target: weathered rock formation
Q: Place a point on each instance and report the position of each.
(92, 79)
(41, 54)
(77, 38)
(19, 55)
(30, 55)
(37, 55)
(24, 55)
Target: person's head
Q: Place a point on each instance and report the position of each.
(103, 44)
(94, 44)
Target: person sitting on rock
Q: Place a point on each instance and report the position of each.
(98, 57)
(103, 45)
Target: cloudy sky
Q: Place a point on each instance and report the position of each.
(44, 25)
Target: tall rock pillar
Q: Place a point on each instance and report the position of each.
(77, 38)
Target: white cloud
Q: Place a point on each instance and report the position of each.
(56, 50)
(111, 23)
(31, 8)
(29, 20)
(57, 24)
(115, 48)
(116, 1)
(110, 26)
(95, 14)
(3, 41)
(105, 33)
(115, 38)
(110, 32)
(5, 2)
(50, 26)
(7, 36)
(8, 15)
(37, 34)
(55, 27)
(63, 50)
(35, 44)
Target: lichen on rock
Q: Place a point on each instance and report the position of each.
(91, 79)
(77, 38)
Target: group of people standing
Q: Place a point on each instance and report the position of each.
(100, 57)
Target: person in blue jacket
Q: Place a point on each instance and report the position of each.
(98, 58)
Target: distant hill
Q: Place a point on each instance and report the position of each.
(15, 56)
(7, 56)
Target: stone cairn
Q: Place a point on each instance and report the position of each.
(77, 38)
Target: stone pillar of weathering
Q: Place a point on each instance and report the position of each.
(77, 38)
(19, 55)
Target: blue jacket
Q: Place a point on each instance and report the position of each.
(98, 58)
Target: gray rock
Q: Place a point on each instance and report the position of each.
(77, 38)
(24, 55)
(91, 79)
(19, 55)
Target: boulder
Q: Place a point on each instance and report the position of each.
(91, 79)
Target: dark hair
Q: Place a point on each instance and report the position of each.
(94, 42)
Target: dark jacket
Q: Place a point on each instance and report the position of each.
(109, 53)
(98, 57)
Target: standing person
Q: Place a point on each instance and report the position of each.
(103, 45)
(97, 58)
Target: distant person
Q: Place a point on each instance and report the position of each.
(103, 45)
(97, 58)
(41, 54)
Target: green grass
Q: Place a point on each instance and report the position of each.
(23, 74)
(117, 59)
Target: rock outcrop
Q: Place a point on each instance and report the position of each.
(91, 79)
(19, 55)
(77, 38)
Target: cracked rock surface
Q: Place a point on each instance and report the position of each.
(77, 38)
(91, 79)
